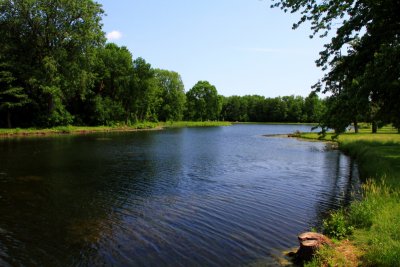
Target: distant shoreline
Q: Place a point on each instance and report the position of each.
(78, 130)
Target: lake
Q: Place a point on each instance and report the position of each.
(220, 196)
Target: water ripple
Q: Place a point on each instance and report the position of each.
(183, 197)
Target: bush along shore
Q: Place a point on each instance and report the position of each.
(142, 126)
(367, 232)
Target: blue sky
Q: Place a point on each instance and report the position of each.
(240, 46)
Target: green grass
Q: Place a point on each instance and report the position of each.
(181, 124)
(18, 132)
(377, 220)
(376, 217)
(74, 129)
(328, 256)
(279, 123)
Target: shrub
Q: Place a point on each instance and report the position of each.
(335, 226)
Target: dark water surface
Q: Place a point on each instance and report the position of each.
(223, 196)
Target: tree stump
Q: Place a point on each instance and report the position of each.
(309, 244)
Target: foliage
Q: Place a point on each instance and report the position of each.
(112, 96)
(146, 92)
(50, 48)
(362, 59)
(328, 256)
(56, 69)
(254, 108)
(336, 225)
(313, 108)
(11, 96)
(172, 95)
(203, 103)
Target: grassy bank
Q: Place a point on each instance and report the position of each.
(181, 124)
(372, 224)
(279, 123)
(21, 132)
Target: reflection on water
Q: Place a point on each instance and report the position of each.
(222, 196)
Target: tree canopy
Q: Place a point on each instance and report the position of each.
(47, 47)
(172, 95)
(361, 59)
(203, 102)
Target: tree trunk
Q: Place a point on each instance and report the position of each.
(127, 120)
(374, 127)
(8, 119)
(356, 127)
(309, 243)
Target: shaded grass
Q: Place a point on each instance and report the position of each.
(376, 217)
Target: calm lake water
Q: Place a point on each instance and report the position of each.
(222, 196)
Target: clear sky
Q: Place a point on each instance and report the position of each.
(240, 46)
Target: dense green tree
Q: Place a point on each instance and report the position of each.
(50, 44)
(295, 106)
(113, 90)
(203, 102)
(55, 69)
(113, 69)
(146, 91)
(255, 106)
(172, 95)
(368, 71)
(274, 110)
(11, 96)
(335, 116)
(345, 83)
(313, 107)
(235, 109)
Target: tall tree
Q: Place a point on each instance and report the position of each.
(255, 106)
(274, 110)
(11, 95)
(313, 107)
(51, 45)
(235, 109)
(203, 102)
(112, 97)
(146, 91)
(295, 107)
(369, 71)
(172, 94)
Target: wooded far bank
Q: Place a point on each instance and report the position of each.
(56, 69)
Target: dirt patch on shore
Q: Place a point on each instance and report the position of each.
(349, 253)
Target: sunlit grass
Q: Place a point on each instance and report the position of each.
(379, 232)
(180, 124)
(75, 129)
(376, 218)
(19, 132)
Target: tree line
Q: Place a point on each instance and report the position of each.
(57, 69)
(279, 109)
